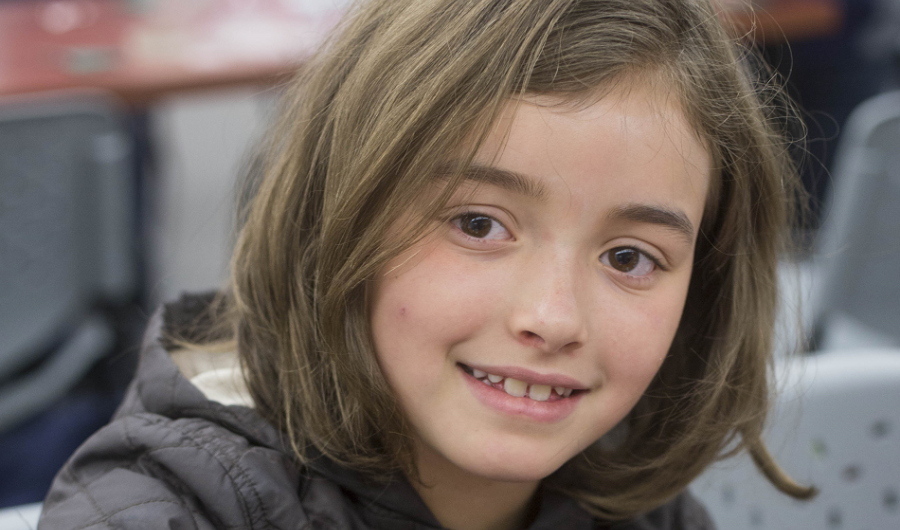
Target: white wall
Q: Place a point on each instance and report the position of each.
(201, 141)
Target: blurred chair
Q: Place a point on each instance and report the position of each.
(836, 425)
(23, 517)
(66, 244)
(858, 248)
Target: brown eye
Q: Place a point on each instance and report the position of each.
(629, 260)
(475, 225)
(624, 259)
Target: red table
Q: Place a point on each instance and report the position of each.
(176, 45)
(775, 21)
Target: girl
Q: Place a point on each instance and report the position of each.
(511, 264)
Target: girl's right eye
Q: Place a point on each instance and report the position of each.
(480, 226)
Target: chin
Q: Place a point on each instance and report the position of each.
(518, 474)
(520, 464)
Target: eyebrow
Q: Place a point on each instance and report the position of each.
(507, 180)
(674, 220)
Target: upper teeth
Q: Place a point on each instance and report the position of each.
(517, 388)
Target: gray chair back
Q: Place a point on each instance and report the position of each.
(66, 239)
(858, 248)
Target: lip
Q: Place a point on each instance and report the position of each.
(538, 411)
(531, 377)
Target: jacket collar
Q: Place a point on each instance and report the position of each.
(380, 504)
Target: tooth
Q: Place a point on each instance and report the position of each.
(485, 381)
(567, 393)
(495, 378)
(559, 389)
(539, 392)
(478, 373)
(514, 387)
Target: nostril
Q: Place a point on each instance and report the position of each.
(531, 338)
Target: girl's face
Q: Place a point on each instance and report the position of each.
(537, 313)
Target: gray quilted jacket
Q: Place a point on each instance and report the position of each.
(171, 458)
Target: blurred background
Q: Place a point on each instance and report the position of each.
(126, 124)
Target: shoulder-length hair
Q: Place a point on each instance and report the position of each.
(365, 129)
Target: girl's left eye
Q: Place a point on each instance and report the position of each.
(630, 261)
(480, 226)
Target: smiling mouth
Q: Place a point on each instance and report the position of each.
(521, 389)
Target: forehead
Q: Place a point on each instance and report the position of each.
(633, 144)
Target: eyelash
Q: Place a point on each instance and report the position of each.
(457, 220)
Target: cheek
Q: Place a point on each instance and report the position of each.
(413, 311)
(644, 338)
(425, 305)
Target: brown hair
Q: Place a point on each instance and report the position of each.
(365, 128)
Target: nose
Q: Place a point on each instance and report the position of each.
(549, 310)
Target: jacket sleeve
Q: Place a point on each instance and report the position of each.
(148, 471)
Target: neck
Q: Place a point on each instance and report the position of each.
(461, 500)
